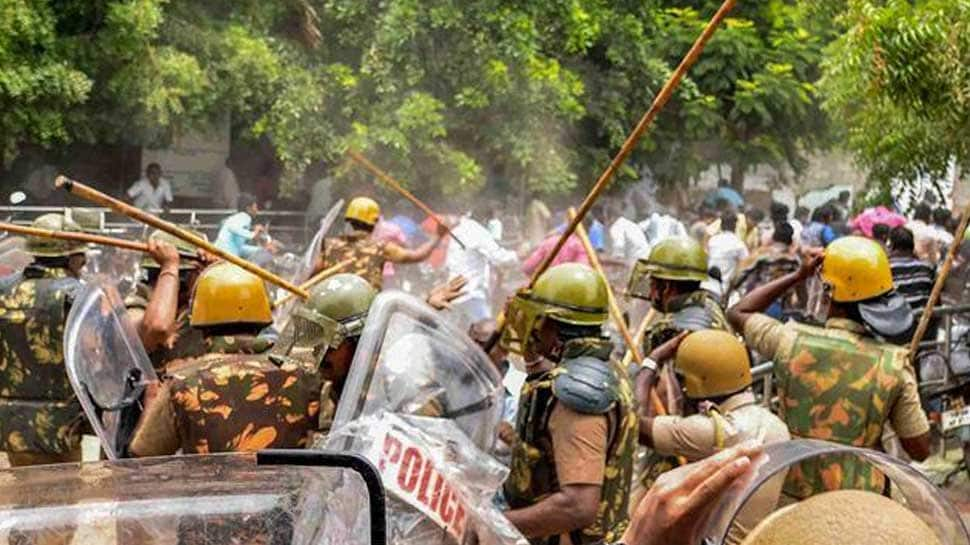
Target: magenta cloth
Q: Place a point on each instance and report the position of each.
(571, 252)
(871, 216)
(388, 231)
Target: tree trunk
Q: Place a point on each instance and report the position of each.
(738, 170)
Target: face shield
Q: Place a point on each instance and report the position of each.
(640, 282)
(310, 332)
(523, 318)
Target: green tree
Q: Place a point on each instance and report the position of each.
(897, 80)
(759, 71)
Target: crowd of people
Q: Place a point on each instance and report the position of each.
(827, 296)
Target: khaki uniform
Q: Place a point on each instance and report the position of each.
(559, 445)
(231, 401)
(40, 417)
(838, 384)
(738, 419)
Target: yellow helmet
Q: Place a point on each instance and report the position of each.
(226, 294)
(570, 293)
(712, 363)
(843, 517)
(364, 210)
(857, 269)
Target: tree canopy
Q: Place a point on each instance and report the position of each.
(449, 96)
(898, 81)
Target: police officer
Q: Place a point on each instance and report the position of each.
(576, 427)
(236, 397)
(326, 330)
(369, 254)
(670, 279)
(159, 307)
(842, 382)
(715, 370)
(40, 418)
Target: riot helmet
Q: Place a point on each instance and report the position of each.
(336, 311)
(363, 210)
(572, 294)
(225, 294)
(677, 259)
(712, 363)
(50, 247)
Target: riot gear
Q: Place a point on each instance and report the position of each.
(712, 363)
(678, 259)
(50, 247)
(226, 294)
(364, 210)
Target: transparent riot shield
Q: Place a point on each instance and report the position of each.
(13, 255)
(423, 403)
(281, 497)
(909, 488)
(313, 250)
(106, 364)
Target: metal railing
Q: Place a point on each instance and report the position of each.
(293, 223)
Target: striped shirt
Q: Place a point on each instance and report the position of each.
(913, 279)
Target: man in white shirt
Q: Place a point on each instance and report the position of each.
(924, 236)
(726, 250)
(151, 192)
(474, 262)
(628, 241)
(225, 188)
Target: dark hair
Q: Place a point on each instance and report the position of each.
(722, 204)
(47, 262)
(783, 233)
(245, 201)
(823, 214)
(756, 215)
(723, 182)
(922, 212)
(844, 195)
(941, 216)
(901, 239)
(571, 331)
(779, 212)
(880, 232)
(729, 221)
(358, 225)
(153, 166)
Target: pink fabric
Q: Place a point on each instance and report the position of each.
(387, 231)
(871, 216)
(571, 252)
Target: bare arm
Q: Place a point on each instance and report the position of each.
(645, 381)
(158, 320)
(399, 254)
(572, 508)
(759, 299)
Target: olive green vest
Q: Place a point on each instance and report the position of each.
(533, 472)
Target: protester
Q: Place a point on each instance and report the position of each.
(769, 263)
(912, 277)
(941, 227)
(151, 192)
(474, 262)
(880, 233)
(628, 241)
(819, 232)
(237, 233)
(726, 250)
(571, 252)
(924, 235)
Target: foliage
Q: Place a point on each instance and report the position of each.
(899, 81)
(450, 96)
(758, 72)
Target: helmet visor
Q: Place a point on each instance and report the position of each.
(640, 280)
(310, 331)
(523, 315)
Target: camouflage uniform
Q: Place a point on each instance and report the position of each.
(533, 468)
(189, 342)
(694, 311)
(39, 413)
(367, 253)
(837, 384)
(233, 400)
